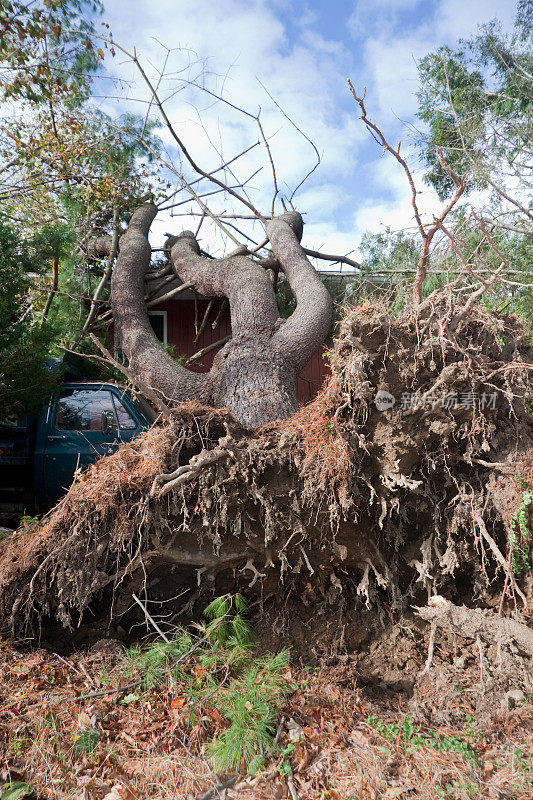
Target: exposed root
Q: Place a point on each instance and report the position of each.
(391, 503)
(479, 625)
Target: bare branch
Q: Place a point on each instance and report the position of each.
(210, 347)
(427, 235)
(209, 176)
(104, 281)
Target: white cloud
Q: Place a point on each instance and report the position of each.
(396, 40)
(458, 19)
(281, 44)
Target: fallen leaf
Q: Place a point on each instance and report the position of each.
(132, 766)
(117, 792)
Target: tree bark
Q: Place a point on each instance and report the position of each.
(146, 356)
(254, 374)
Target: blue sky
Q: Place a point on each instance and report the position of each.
(303, 53)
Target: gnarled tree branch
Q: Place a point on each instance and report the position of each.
(138, 341)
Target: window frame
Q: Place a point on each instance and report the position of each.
(165, 323)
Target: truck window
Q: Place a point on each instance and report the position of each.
(125, 420)
(81, 410)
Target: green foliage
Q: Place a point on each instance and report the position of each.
(477, 103)
(154, 661)
(227, 627)
(458, 790)
(18, 743)
(44, 50)
(250, 703)
(24, 341)
(521, 761)
(389, 261)
(519, 531)
(409, 738)
(86, 740)
(388, 251)
(245, 690)
(284, 768)
(15, 790)
(72, 165)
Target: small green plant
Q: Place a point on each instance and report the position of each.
(521, 762)
(27, 521)
(455, 790)
(330, 425)
(409, 738)
(86, 740)
(519, 533)
(17, 744)
(226, 678)
(15, 790)
(105, 676)
(284, 767)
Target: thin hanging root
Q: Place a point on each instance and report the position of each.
(307, 562)
(499, 557)
(364, 585)
(431, 651)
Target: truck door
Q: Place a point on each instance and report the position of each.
(77, 434)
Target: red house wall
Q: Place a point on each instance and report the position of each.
(180, 334)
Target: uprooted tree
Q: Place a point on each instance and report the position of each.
(348, 502)
(342, 503)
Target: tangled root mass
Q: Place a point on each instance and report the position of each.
(344, 499)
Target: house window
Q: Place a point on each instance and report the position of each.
(158, 321)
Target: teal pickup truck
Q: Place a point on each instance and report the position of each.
(39, 456)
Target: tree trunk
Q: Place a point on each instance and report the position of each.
(254, 374)
(255, 381)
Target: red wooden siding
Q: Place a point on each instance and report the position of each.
(180, 334)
